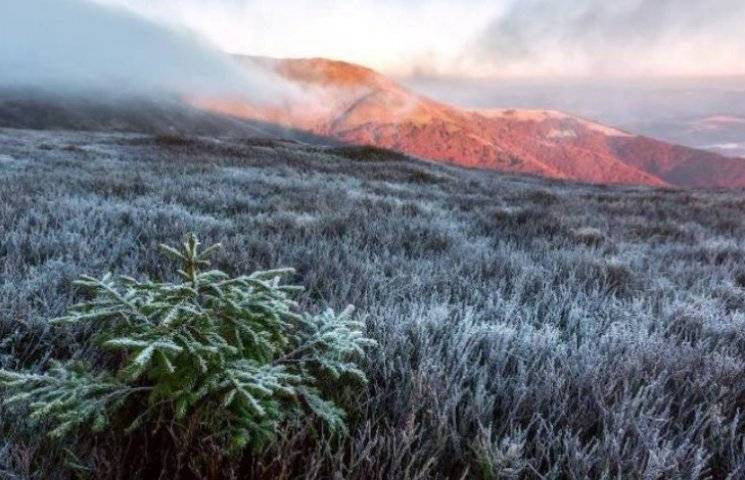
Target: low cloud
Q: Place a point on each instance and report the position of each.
(615, 38)
(78, 46)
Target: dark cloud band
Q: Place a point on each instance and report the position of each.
(599, 36)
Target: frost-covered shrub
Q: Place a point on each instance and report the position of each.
(230, 358)
(589, 236)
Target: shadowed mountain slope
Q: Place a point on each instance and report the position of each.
(41, 110)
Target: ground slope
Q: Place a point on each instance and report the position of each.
(528, 328)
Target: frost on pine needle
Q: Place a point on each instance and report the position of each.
(234, 354)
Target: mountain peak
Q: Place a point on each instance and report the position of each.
(322, 71)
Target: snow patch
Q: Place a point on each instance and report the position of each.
(604, 129)
(522, 115)
(730, 149)
(727, 146)
(565, 133)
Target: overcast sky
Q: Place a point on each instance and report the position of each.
(478, 38)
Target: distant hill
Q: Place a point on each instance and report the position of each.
(358, 105)
(42, 110)
(723, 134)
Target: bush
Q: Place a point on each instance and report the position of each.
(369, 153)
(227, 358)
(175, 141)
(589, 236)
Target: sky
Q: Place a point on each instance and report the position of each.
(477, 38)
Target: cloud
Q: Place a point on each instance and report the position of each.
(387, 35)
(600, 37)
(79, 46)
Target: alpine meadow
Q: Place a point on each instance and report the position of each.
(525, 328)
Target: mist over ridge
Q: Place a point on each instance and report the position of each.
(81, 47)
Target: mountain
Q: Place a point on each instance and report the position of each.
(333, 102)
(354, 104)
(723, 134)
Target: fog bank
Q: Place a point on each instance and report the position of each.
(81, 47)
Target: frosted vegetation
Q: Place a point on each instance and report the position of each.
(212, 364)
(525, 328)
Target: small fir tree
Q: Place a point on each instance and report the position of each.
(232, 355)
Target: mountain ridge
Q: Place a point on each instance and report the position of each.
(355, 104)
